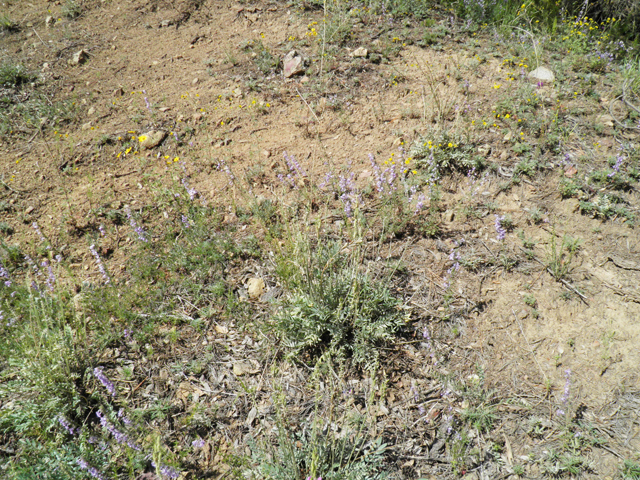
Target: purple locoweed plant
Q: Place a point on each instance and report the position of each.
(419, 204)
(97, 372)
(142, 235)
(51, 278)
(123, 417)
(348, 194)
(414, 393)
(223, 167)
(4, 273)
(293, 165)
(185, 221)
(166, 470)
(11, 321)
(39, 232)
(91, 470)
(191, 191)
(616, 167)
(101, 268)
(147, 103)
(33, 265)
(327, 179)
(429, 344)
(198, 443)
(67, 426)
(120, 437)
(500, 230)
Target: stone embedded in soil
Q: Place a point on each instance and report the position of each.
(293, 64)
(360, 52)
(543, 74)
(242, 368)
(79, 58)
(152, 138)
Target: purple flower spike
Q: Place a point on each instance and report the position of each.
(67, 426)
(92, 470)
(104, 381)
(198, 443)
(502, 233)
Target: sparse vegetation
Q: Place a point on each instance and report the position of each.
(344, 274)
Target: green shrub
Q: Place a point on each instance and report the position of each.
(333, 307)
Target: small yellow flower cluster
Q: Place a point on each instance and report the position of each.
(312, 30)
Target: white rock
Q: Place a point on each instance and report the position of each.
(543, 74)
(79, 57)
(360, 52)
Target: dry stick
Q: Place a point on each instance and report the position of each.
(305, 102)
(12, 189)
(34, 31)
(561, 280)
(529, 345)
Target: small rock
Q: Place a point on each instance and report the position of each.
(86, 126)
(195, 81)
(118, 92)
(48, 21)
(293, 64)
(196, 117)
(484, 150)
(151, 139)
(45, 67)
(79, 58)
(91, 111)
(606, 120)
(255, 287)
(165, 23)
(238, 92)
(360, 52)
(242, 368)
(266, 153)
(29, 210)
(542, 74)
(398, 141)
